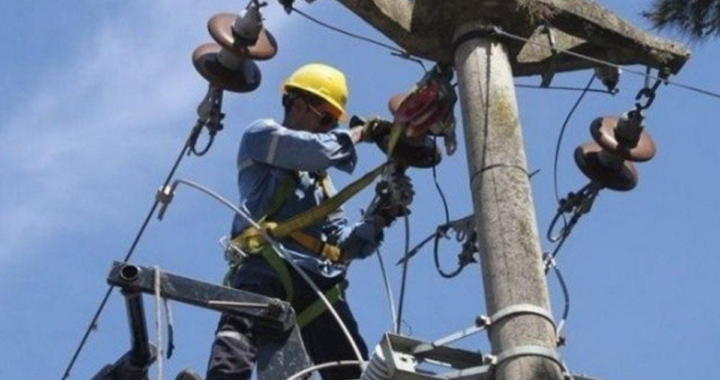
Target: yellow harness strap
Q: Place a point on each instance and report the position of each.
(326, 207)
(318, 307)
(251, 240)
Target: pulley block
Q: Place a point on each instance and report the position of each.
(405, 108)
(417, 152)
(424, 109)
(605, 168)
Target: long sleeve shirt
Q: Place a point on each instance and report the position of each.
(271, 154)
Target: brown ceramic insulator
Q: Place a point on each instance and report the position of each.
(419, 152)
(603, 131)
(220, 28)
(205, 60)
(604, 168)
(415, 103)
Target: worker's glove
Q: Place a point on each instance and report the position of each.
(373, 128)
(394, 194)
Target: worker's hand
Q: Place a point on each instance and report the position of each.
(372, 129)
(394, 196)
(375, 129)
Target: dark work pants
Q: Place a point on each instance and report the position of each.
(234, 351)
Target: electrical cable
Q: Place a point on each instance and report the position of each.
(417, 248)
(93, 322)
(610, 64)
(406, 55)
(283, 253)
(399, 52)
(436, 258)
(566, 297)
(388, 290)
(403, 283)
(560, 137)
(395, 51)
(437, 185)
(598, 90)
(316, 367)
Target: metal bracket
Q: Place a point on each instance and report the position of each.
(549, 73)
(397, 350)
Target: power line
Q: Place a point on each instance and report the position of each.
(562, 133)
(394, 49)
(93, 322)
(406, 55)
(610, 64)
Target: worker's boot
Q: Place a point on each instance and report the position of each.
(188, 374)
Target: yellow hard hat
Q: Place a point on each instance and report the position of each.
(323, 81)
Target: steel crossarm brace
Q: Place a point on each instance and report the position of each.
(279, 356)
(270, 312)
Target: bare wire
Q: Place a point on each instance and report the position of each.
(388, 290)
(560, 138)
(565, 88)
(93, 322)
(437, 186)
(283, 253)
(403, 282)
(398, 51)
(610, 64)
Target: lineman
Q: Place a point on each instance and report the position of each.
(281, 173)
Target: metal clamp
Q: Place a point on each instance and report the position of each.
(521, 351)
(517, 309)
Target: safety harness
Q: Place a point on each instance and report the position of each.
(252, 241)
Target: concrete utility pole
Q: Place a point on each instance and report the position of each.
(504, 212)
(458, 32)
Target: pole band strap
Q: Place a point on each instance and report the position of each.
(522, 308)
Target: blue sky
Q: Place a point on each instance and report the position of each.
(100, 97)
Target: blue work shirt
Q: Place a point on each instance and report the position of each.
(271, 154)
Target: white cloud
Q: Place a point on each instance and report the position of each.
(116, 105)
